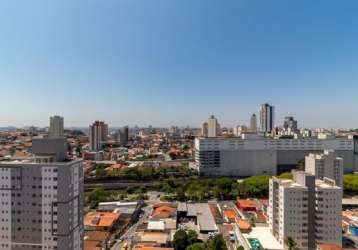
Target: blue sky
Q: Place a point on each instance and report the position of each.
(165, 62)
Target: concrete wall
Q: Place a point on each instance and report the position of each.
(244, 163)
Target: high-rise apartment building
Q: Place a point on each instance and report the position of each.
(56, 126)
(290, 124)
(239, 129)
(124, 136)
(204, 129)
(98, 133)
(267, 118)
(42, 200)
(325, 165)
(306, 209)
(213, 127)
(253, 124)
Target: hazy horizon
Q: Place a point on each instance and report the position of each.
(177, 62)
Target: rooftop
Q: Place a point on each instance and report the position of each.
(100, 219)
(163, 211)
(156, 225)
(205, 219)
(266, 239)
(246, 203)
(329, 247)
(157, 237)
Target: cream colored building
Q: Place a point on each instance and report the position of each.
(325, 165)
(306, 209)
(56, 126)
(213, 127)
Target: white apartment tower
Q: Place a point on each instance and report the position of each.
(213, 127)
(266, 118)
(98, 133)
(325, 165)
(253, 124)
(56, 126)
(306, 209)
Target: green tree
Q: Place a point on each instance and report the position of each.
(285, 176)
(180, 240)
(218, 243)
(240, 248)
(197, 246)
(255, 186)
(180, 193)
(96, 196)
(290, 243)
(350, 183)
(301, 164)
(101, 171)
(192, 237)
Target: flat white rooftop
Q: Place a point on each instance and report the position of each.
(265, 237)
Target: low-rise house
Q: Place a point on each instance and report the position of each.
(95, 240)
(198, 213)
(244, 226)
(162, 211)
(101, 221)
(230, 216)
(329, 247)
(154, 237)
(246, 205)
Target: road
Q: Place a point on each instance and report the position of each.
(115, 185)
(129, 235)
(225, 205)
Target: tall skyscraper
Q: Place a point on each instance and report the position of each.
(98, 133)
(204, 129)
(306, 209)
(290, 124)
(56, 126)
(325, 165)
(213, 127)
(267, 118)
(253, 124)
(42, 200)
(124, 136)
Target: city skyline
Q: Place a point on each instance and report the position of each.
(176, 63)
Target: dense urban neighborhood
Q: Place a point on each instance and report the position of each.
(176, 188)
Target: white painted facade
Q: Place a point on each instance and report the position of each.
(325, 165)
(56, 126)
(290, 215)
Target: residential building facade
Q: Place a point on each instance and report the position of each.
(253, 124)
(327, 164)
(98, 133)
(56, 126)
(41, 204)
(290, 124)
(213, 127)
(306, 209)
(267, 118)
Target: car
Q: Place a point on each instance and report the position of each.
(232, 238)
(347, 242)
